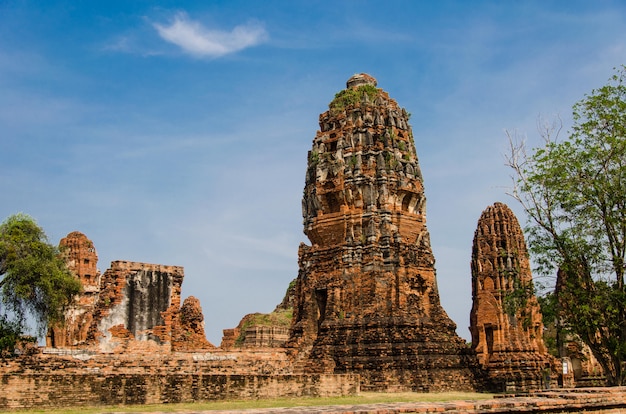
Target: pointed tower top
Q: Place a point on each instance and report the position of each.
(361, 79)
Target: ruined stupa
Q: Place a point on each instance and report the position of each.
(82, 260)
(366, 296)
(506, 322)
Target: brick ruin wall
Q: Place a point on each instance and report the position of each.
(62, 381)
(250, 334)
(137, 301)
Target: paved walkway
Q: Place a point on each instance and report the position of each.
(589, 400)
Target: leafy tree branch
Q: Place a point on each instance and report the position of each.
(574, 194)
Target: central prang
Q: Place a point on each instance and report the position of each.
(366, 293)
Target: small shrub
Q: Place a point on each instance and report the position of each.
(353, 161)
(314, 158)
(350, 97)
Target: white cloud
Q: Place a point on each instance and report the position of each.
(199, 41)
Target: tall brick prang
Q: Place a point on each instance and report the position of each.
(366, 296)
(505, 321)
(82, 260)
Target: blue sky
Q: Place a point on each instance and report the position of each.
(177, 132)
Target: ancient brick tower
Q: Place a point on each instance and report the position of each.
(82, 259)
(506, 324)
(366, 294)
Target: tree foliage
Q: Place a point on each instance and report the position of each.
(574, 194)
(34, 280)
(10, 332)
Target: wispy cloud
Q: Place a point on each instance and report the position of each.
(119, 44)
(199, 41)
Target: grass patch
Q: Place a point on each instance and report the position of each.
(362, 398)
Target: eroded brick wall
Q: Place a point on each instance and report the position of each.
(71, 390)
(85, 379)
(136, 301)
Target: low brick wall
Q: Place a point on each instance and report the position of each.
(61, 390)
(59, 378)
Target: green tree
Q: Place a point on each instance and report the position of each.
(574, 194)
(34, 280)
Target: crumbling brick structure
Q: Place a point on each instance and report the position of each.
(188, 333)
(258, 330)
(263, 330)
(82, 260)
(366, 296)
(132, 306)
(137, 301)
(505, 321)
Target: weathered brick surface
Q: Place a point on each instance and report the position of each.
(258, 330)
(188, 332)
(129, 304)
(366, 296)
(506, 335)
(366, 308)
(585, 368)
(137, 301)
(266, 336)
(229, 338)
(95, 379)
(59, 390)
